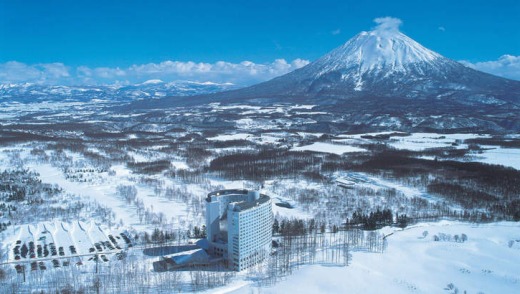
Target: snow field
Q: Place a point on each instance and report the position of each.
(414, 264)
(485, 263)
(329, 148)
(497, 155)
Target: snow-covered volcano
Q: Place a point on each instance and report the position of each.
(378, 53)
(383, 63)
(385, 79)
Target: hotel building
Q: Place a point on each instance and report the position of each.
(239, 226)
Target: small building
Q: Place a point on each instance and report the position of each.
(239, 226)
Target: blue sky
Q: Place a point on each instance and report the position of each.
(52, 36)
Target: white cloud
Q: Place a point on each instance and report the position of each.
(336, 32)
(55, 70)
(18, 72)
(442, 29)
(13, 71)
(387, 24)
(243, 73)
(507, 66)
(297, 63)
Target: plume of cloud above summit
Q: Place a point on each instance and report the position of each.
(243, 73)
(387, 24)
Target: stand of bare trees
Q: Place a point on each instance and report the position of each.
(304, 242)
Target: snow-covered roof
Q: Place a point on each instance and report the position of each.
(187, 257)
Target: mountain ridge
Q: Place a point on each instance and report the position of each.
(151, 89)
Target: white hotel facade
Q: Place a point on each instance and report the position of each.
(239, 226)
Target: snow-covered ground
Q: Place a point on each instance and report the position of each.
(374, 182)
(329, 148)
(414, 141)
(509, 157)
(103, 190)
(485, 263)
(497, 155)
(416, 264)
(239, 136)
(422, 141)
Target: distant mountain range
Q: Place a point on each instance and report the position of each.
(152, 89)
